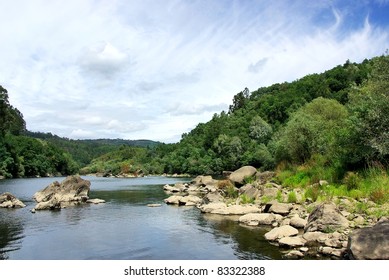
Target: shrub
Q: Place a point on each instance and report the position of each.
(292, 198)
(312, 192)
(231, 192)
(352, 181)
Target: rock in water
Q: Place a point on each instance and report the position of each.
(8, 200)
(71, 191)
(326, 217)
(370, 243)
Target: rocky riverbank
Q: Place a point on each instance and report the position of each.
(332, 229)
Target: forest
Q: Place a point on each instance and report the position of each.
(330, 126)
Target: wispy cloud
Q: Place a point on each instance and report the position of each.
(154, 69)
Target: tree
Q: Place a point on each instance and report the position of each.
(313, 129)
(369, 117)
(260, 130)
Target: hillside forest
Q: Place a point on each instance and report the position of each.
(330, 126)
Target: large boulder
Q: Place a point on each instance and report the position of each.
(72, 190)
(326, 217)
(370, 243)
(280, 208)
(8, 200)
(239, 175)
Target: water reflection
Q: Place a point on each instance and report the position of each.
(249, 242)
(11, 233)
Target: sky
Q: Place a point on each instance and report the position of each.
(151, 69)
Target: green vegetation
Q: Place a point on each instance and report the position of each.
(332, 126)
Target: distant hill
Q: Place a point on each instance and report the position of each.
(83, 151)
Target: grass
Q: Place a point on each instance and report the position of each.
(245, 199)
(371, 183)
(292, 197)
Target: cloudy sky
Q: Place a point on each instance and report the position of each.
(151, 69)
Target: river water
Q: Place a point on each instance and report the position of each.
(123, 228)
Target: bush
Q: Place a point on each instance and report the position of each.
(352, 181)
(292, 198)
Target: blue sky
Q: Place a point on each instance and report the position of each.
(155, 69)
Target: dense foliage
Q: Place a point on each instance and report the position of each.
(22, 156)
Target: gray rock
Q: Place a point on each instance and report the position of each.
(280, 232)
(212, 197)
(260, 218)
(95, 201)
(294, 254)
(8, 200)
(298, 222)
(296, 241)
(189, 200)
(222, 209)
(326, 217)
(370, 243)
(239, 175)
(315, 236)
(281, 208)
(72, 190)
(250, 191)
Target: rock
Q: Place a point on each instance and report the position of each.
(270, 192)
(189, 200)
(213, 206)
(359, 220)
(370, 243)
(264, 177)
(326, 217)
(239, 175)
(281, 208)
(280, 232)
(8, 200)
(212, 197)
(222, 209)
(331, 251)
(255, 219)
(72, 190)
(298, 222)
(323, 183)
(95, 201)
(172, 189)
(250, 191)
(294, 254)
(204, 180)
(296, 241)
(51, 204)
(154, 205)
(174, 199)
(315, 236)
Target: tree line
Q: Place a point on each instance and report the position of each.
(333, 122)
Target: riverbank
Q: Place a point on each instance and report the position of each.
(303, 224)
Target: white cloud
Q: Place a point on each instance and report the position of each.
(154, 69)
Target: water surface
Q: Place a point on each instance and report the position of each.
(124, 227)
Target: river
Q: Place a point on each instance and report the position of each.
(123, 228)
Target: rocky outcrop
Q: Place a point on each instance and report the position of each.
(71, 191)
(326, 217)
(370, 243)
(8, 200)
(239, 175)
